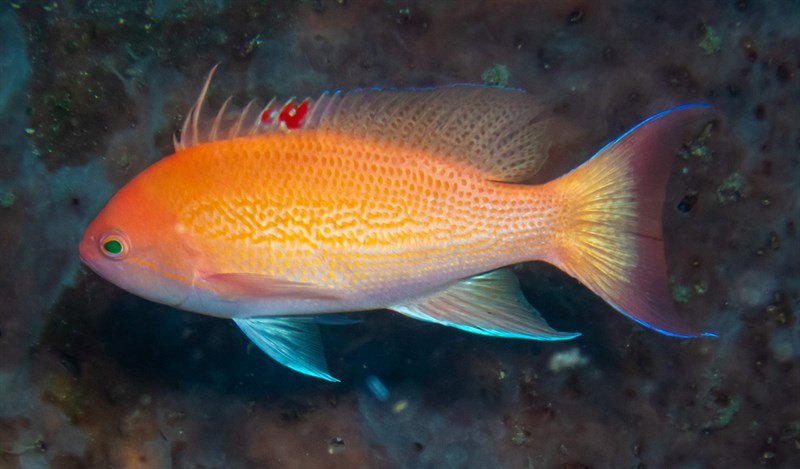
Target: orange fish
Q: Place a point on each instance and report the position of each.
(408, 200)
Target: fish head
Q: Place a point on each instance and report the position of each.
(137, 243)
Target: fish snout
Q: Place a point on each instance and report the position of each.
(86, 248)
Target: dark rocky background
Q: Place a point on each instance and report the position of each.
(90, 376)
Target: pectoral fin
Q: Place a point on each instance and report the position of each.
(237, 285)
(292, 341)
(489, 304)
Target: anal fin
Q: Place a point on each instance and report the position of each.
(489, 304)
(294, 342)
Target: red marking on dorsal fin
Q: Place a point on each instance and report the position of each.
(292, 114)
(289, 116)
(269, 114)
(250, 121)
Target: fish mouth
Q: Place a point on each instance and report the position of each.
(83, 251)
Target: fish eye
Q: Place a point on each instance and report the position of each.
(114, 245)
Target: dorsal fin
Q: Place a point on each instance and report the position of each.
(501, 132)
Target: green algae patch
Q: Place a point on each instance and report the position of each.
(496, 75)
(7, 199)
(700, 288)
(711, 42)
(731, 189)
(680, 293)
(698, 147)
(520, 437)
(725, 414)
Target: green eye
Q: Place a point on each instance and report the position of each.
(114, 245)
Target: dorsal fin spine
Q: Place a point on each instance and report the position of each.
(198, 107)
(280, 122)
(323, 108)
(215, 127)
(179, 142)
(265, 115)
(323, 99)
(234, 132)
(256, 121)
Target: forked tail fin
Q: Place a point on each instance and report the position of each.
(611, 238)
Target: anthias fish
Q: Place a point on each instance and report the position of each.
(407, 200)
